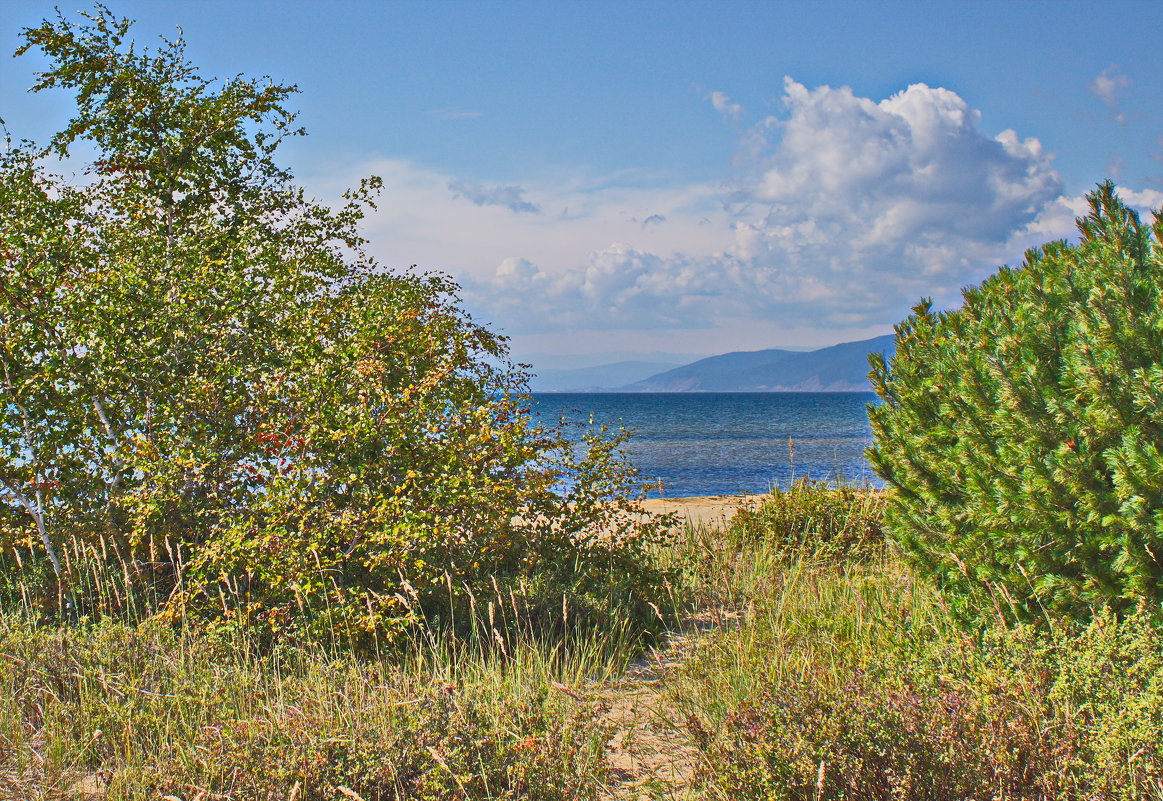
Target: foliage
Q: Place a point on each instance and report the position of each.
(849, 678)
(851, 663)
(1024, 718)
(209, 384)
(1021, 433)
(813, 514)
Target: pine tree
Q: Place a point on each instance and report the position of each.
(1021, 433)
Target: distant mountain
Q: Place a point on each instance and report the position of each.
(544, 362)
(597, 378)
(839, 368)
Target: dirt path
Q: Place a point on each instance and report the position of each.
(649, 756)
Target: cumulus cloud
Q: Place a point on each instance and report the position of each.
(844, 212)
(901, 194)
(509, 197)
(723, 104)
(1107, 87)
(520, 275)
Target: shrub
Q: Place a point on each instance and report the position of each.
(857, 665)
(1021, 434)
(813, 515)
(210, 388)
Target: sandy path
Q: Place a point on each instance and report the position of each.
(650, 757)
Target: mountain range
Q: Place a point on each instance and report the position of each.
(599, 378)
(838, 368)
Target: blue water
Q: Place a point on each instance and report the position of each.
(712, 443)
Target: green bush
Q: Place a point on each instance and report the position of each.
(812, 515)
(1021, 434)
(212, 392)
(850, 679)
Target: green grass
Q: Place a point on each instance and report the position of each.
(148, 712)
(847, 678)
(822, 669)
(119, 697)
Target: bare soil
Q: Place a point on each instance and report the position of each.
(650, 756)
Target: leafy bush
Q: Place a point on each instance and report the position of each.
(211, 389)
(1022, 432)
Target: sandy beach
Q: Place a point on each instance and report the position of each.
(709, 510)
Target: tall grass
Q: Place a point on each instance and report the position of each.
(102, 693)
(147, 710)
(824, 670)
(846, 677)
(99, 580)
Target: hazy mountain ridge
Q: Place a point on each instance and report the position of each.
(600, 377)
(838, 368)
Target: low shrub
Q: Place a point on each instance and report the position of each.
(813, 514)
(853, 678)
(1016, 715)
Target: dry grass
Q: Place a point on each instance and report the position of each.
(810, 664)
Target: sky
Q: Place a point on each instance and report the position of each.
(609, 179)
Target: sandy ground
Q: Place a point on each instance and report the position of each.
(649, 756)
(710, 510)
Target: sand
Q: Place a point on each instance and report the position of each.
(710, 510)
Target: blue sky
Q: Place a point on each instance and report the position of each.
(608, 178)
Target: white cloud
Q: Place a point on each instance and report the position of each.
(1107, 87)
(419, 221)
(1144, 200)
(1058, 219)
(844, 213)
(723, 104)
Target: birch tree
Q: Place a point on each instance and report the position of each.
(202, 364)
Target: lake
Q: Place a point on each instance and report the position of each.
(711, 443)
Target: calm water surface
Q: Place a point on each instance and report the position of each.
(711, 443)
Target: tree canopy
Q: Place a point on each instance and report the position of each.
(204, 371)
(1022, 433)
